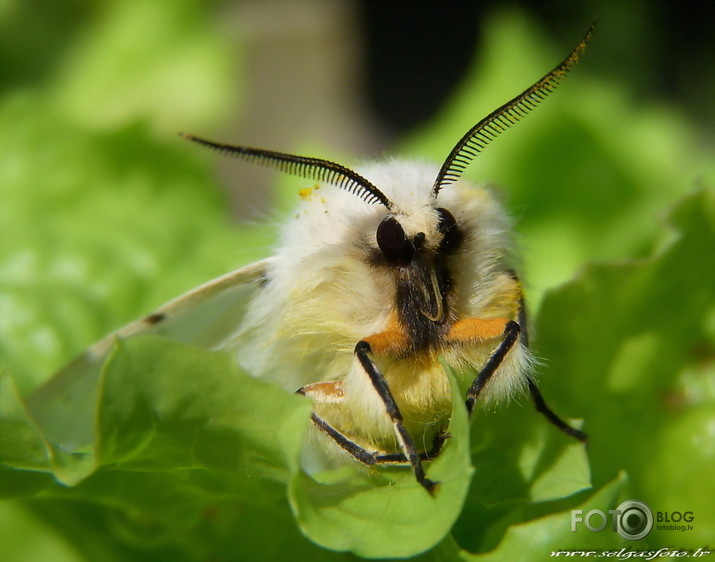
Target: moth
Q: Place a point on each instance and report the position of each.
(381, 272)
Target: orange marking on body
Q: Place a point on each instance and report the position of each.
(389, 342)
(472, 330)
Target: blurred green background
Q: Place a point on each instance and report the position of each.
(106, 213)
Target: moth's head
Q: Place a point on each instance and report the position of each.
(402, 238)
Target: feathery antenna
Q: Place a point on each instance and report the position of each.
(310, 168)
(499, 120)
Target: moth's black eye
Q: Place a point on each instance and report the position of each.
(448, 227)
(393, 243)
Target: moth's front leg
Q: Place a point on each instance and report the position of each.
(363, 350)
(331, 392)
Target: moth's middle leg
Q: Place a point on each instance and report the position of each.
(472, 330)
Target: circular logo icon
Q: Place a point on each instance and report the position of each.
(635, 520)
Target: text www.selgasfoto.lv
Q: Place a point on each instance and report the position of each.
(626, 553)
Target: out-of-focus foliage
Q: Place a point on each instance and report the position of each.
(105, 215)
(87, 203)
(589, 175)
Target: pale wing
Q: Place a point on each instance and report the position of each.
(205, 316)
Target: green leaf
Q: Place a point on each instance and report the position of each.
(179, 430)
(162, 405)
(520, 460)
(165, 405)
(630, 348)
(21, 446)
(536, 539)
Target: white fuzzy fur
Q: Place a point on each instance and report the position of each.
(323, 296)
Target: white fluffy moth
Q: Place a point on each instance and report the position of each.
(381, 272)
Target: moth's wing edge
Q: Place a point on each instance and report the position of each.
(161, 319)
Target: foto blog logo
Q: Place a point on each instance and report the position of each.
(633, 520)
